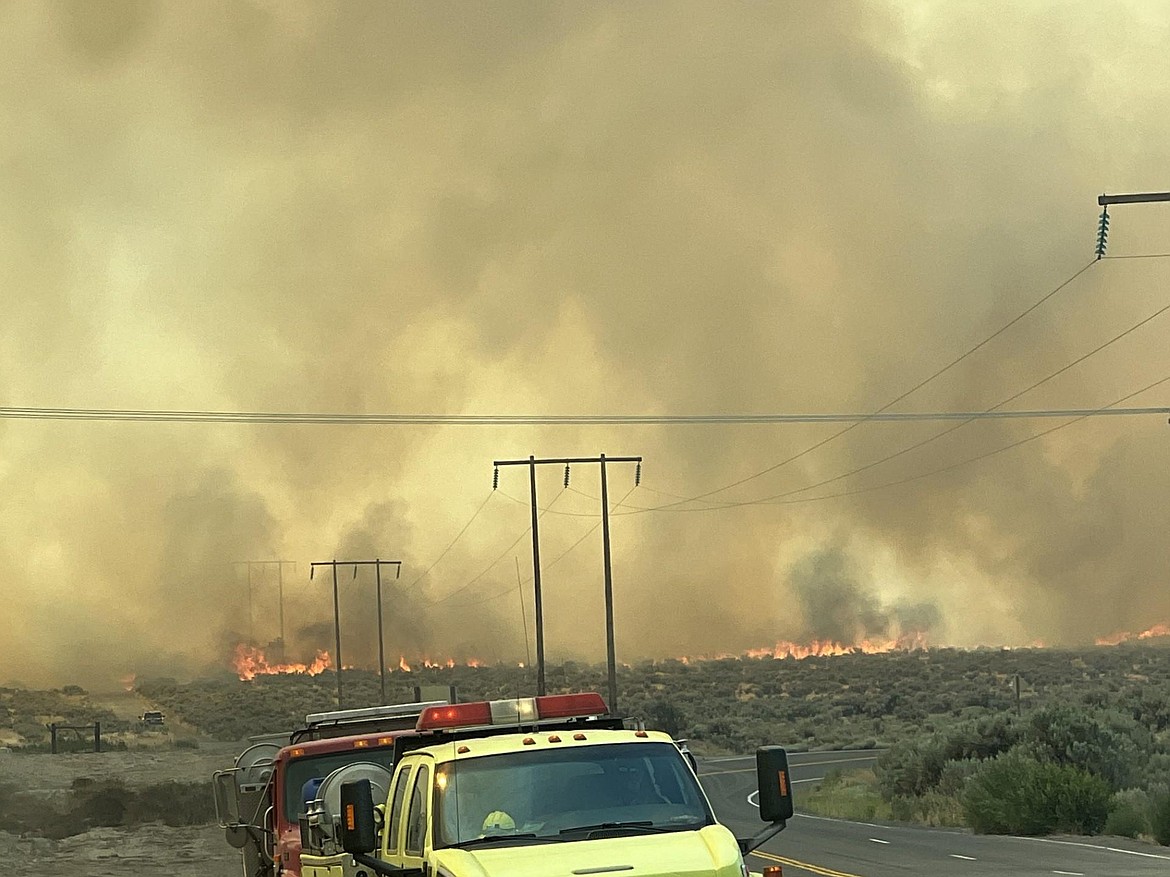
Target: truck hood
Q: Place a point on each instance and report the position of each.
(708, 852)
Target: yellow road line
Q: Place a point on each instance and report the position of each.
(803, 866)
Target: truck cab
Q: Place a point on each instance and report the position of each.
(533, 787)
(260, 801)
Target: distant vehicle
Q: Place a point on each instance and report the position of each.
(152, 718)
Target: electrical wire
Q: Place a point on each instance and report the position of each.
(977, 457)
(942, 469)
(554, 561)
(341, 419)
(1008, 400)
(451, 544)
(936, 374)
(490, 566)
(549, 508)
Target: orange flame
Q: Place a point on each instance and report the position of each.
(402, 665)
(129, 681)
(821, 648)
(1123, 636)
(250, 662)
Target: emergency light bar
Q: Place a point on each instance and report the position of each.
(385, 711)
(511, 712)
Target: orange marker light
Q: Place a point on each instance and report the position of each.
(773, 871)
(360, 744)
(783, 778)
(350, 817)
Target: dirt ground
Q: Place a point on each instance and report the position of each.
(112, 852)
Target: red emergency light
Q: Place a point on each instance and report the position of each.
(560, 706)
(511, 712)
(456, 715)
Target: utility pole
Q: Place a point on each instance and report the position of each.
(377, 563)
(532, 463)
(279, 564)
(1106, 200)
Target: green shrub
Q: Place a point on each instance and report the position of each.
(1160, 818)
(1015, 793)
(931, 808)
(1103, 742)
(1128, 814)
(849, 795)
(174, 804)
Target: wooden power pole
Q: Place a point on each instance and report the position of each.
(601, 460)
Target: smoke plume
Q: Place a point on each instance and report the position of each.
(574, 208)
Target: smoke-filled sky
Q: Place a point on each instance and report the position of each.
(517, 208)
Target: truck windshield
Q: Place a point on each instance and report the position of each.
(301, 770)
(568, 794)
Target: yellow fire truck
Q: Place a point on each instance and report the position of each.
(537, 786)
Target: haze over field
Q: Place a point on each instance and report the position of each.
(518, 208)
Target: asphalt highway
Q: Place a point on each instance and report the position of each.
(836, 848)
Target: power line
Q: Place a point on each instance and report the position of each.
(1009, 399)
(936, 374)
(275, 417)
(491, 565)
(978, 457)
(559, 557)
(451, 544)
(778, 500)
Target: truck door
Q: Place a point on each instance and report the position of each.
(392, 850)
(408, 823)
(417, 819)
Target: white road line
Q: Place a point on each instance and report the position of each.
(964, 858)
(1070, 873)
(1073, 843)
(1134, 853)
(756, 794)
(833, 819)
(878, 840)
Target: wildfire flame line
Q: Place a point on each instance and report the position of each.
(1123, 636)
(820, 648)
(250, 662)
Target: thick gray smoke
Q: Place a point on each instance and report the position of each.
(573, 208)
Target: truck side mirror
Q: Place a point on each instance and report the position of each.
(775, 795)
(358, 829)
(775, 784)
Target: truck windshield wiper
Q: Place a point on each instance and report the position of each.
(644, 825)
(503, 839)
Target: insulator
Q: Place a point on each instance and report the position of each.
(496, 478)
(566, 475)
(1103, 232)
(637, 475)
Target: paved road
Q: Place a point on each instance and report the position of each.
(835, 848)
